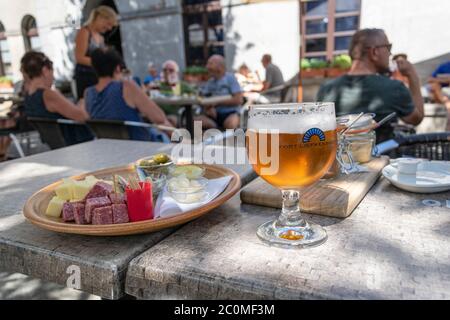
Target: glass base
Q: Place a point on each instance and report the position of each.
(311, 235)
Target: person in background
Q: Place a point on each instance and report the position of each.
(251, 85)
(365, 89)
(42, 101)
(274, 78)
(170, 84)
(247, 80)
(102, 19)
(221, 83)
(128, 75)
(114, 98)
(439, 85)
(152, 76)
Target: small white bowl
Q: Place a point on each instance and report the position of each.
(408, 166)
(190, 195)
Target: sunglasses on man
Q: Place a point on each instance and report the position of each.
(388, 46)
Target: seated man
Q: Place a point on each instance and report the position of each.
(44, 102)
(115, 99)
(226, 114)
(439, 84)
(171, 84)
(152, 76)
(364, 89)
(274, 78)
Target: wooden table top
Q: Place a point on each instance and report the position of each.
(103, 261)
(391, 247)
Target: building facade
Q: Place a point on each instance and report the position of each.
(154, 31)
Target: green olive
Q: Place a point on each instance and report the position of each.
(147, 163)
(161, 158)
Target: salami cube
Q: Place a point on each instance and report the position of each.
(95, 203)
(78, 213)
(102, 215)
(117, 198)
(120, 213)
(100, 189)
(67, 212)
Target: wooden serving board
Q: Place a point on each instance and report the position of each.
(336, 197)
(36, 205)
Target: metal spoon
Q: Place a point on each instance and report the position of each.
(352, 124)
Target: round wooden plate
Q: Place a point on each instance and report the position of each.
(34, 209)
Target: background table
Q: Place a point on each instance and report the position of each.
(392, 247)
(103, 261)
(187, 103)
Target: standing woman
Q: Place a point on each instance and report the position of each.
(89, 38)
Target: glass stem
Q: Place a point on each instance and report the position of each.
(291, 215)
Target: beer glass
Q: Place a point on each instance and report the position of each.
(291, 146)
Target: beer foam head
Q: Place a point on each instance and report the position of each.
(292, 118)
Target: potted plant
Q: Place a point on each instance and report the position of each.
(6, 83)
(312, 68)
(339, 66)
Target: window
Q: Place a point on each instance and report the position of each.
(30, 34)
(5, 55)
(327, 26)
(203, 30)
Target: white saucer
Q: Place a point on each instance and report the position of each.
(431, 177)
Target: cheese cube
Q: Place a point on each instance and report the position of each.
(91, 181)
(55, 207)
(80, 190)
(65, 190)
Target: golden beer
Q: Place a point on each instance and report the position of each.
(292, 146)
(302, 158)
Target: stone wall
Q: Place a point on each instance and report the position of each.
(151, 30)
(56, 34)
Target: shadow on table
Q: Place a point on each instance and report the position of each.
(273, 213)
(48, 255)
(16, 286)
(220, 257)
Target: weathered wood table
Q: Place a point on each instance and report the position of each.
(392, 247)
(49, 256)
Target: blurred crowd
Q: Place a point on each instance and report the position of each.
(377, 82)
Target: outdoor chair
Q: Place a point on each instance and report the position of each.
(11, 133)
(118, 129)
(50, 130)
(432, 146)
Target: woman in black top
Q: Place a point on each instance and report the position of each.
(42, 101)
(89, 38)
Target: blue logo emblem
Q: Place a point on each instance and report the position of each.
(313, 132)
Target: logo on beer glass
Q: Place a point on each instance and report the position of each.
(314, 132)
